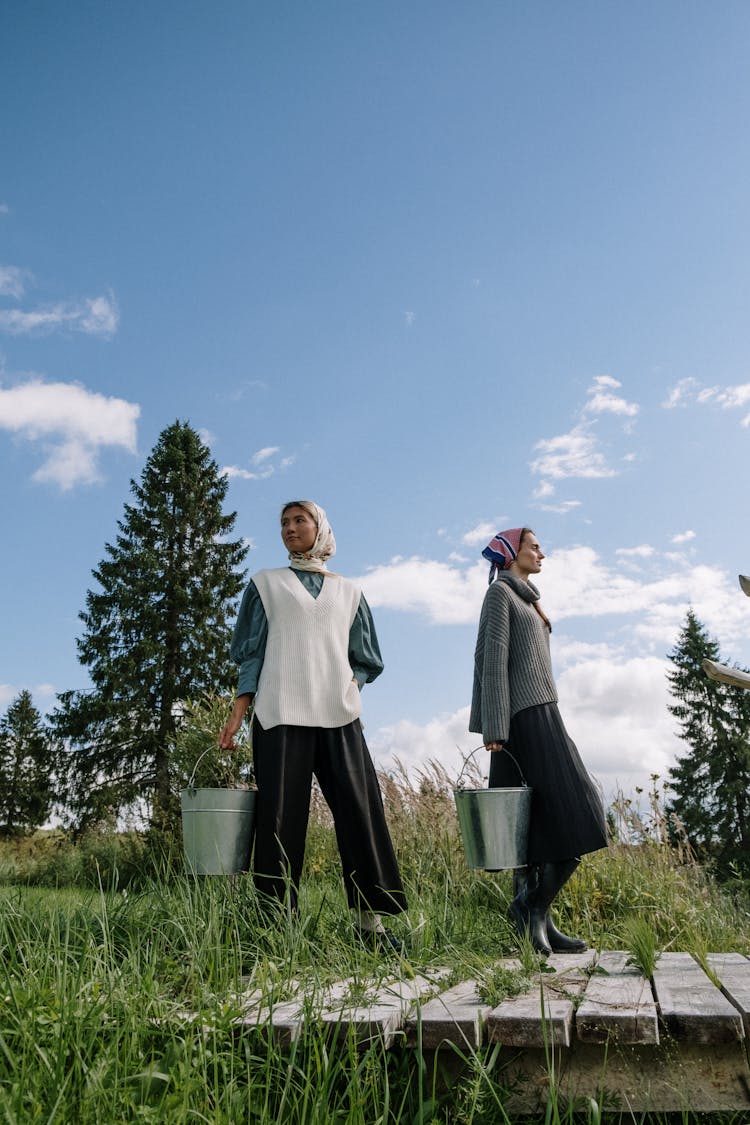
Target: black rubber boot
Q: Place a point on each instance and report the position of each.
(525, 880)
(530, 911)
(563, 943)
(558, 941)
(522, 911)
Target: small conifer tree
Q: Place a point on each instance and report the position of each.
(711, 781)
(28, 767)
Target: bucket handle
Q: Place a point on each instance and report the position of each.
(190, 784)
(468, 757)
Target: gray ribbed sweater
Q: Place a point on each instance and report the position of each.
(512, 667)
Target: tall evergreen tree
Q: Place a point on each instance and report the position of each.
(711, 782)
(28, 767)
(156, 632)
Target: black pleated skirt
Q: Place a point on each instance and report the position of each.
(567, 813)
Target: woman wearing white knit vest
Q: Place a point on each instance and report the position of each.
(514, 707)
(305, 644)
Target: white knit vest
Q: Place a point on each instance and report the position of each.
(306, 679)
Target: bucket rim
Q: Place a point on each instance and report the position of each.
(493, 789)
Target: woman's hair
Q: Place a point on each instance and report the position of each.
(306, 504)
(524, 532)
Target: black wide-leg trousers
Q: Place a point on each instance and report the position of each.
(286, 758)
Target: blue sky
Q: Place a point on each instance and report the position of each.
(444, 268)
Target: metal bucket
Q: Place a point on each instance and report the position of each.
(494, 823)
(217, 829)
(494, 826)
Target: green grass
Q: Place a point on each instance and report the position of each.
(118, 1005)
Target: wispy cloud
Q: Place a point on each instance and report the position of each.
(263, 465)
(409, 318)
(4, 209)
(575, 454)
(561, 507)
(483, 532)
(644, 551)
(13, 281)
(690, 392)
(71, 424)
(579, 453)
(602, 399)
(93, 316)
(263, 454)
(683, 537)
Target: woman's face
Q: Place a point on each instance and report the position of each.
(298, 529)
(530, 555)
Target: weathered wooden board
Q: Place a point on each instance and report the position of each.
(733, 971)
(543, 1016)
(618, 1006)
(455, 1016)
(380, 1017)
(285, 1019)
(691, 1006)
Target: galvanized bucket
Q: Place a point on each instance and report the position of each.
(494, 824)
(217, 829)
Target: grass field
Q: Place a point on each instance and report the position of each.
(95, 982)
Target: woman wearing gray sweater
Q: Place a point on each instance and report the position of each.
(514, 707)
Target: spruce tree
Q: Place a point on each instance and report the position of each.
(711, 782)
(28, 767)
(156, 631)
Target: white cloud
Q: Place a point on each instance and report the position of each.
(681, 393)
(644, 551)
(42, 695)
(94, 316)
(263, 454)
(543, 490)
(575, 454)
(4, 209)
(562, 508)
(482, 533)
(72, 424)
(733, 397)
(601, 400)
(689, 391)
(409, 318)
(245, 474)
(263, 469)
(616, 712)
(683, 537)
(13, 281)
(443, 593)
(444, 739)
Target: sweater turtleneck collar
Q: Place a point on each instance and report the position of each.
(526, 590)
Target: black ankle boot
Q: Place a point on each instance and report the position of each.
(558, 941)
(563, 943)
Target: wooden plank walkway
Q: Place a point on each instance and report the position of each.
(679, 1040)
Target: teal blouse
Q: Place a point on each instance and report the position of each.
(248, 647)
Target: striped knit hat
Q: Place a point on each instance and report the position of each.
(502, 549)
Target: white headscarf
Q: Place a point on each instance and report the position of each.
(324, 546)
